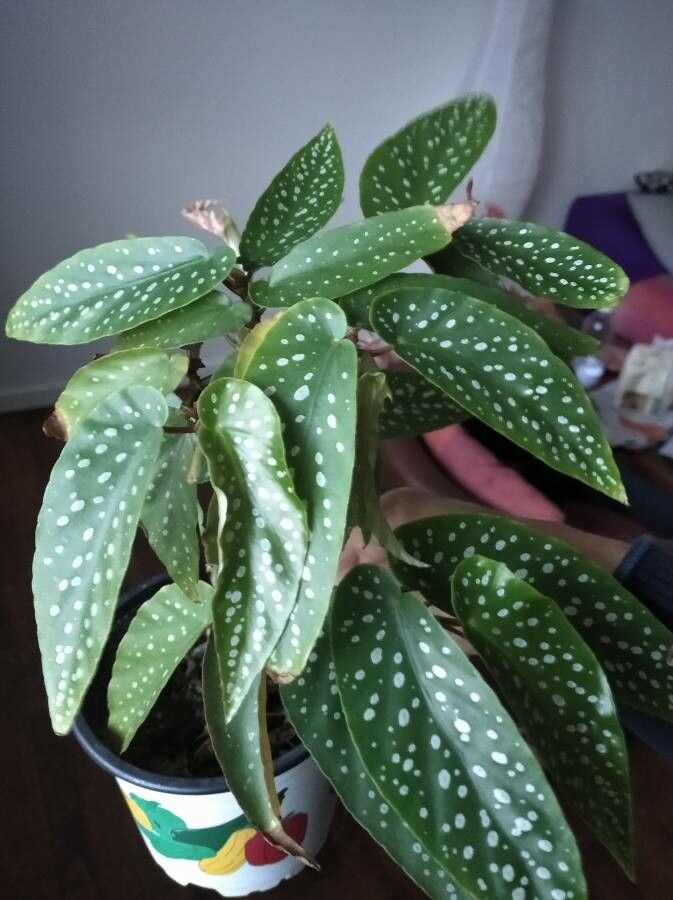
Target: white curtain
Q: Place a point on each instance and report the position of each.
(511, 66)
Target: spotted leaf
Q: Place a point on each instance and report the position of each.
(429, 157)
(364, 507)
(558, 692)
(416, 406)
(450, 261)
(171, 511)
(442, 750)
(299, 201)
(208, 317)
(85, 530)
(314, 709)
(545, 262)
(160, 634)
(344, 259)
(631, 644)
(243, 751)
(114, 287)
(262, 531)
(107, 375)
(309, 371)
(563, 340)
(503, 373)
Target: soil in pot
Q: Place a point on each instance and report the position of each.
(173, 740)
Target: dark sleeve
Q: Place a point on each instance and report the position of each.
(647, 571)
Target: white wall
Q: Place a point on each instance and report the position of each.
(118, 113)
(609, 100)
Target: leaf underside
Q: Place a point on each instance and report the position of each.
(503, 373)
(558, 692)
(631, 644)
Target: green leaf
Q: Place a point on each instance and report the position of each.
(114, 287)
(545, 262)
(416, 406)
(208, 317)
(564, 341)
(503, 373)
(160, 634)
(450, 261)
(314, 708)
(171, 512)
(84, 535)
(344, 259)
(631, 644)
(364, 507)
(262, 526)
(429, 157)
(309, 371)
(243, 751)
(558, 692)
(432, 736)
(107, 375)
(299, 201)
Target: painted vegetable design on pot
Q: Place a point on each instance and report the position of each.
(219, 849)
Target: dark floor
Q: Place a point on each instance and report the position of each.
(65, 832)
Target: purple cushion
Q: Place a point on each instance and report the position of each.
(606, 222)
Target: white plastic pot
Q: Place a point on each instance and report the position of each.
(194, 828)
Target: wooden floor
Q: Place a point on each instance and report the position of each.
(65, 834)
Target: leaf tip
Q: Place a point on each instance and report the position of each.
(453, 216)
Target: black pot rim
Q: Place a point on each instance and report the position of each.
(110, 762)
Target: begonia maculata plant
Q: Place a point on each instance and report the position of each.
(454, 768)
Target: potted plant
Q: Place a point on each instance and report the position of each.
(254, 476)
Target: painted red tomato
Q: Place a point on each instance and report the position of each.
(259, 852)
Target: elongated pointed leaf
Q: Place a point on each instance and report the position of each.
(429, 157)
(313, 705)
(442, 750)
(299, 201)
(450, 261)
(546, 262)
(344, 259)
(558, 692)
(114, 287)
(171, 511)
(364, 507)
(243, 751)
(160, 634)
(631, 644)
(309, 371)
(563, 340)
(262, 534)
(85, 530)
(107, 375)
(208, 317)
(416, 406)
(503, 373)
